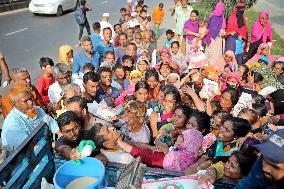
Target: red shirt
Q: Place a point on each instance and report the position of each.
(149, 157)
(43, 85)
(116, 41)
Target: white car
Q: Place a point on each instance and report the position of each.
(51, 6)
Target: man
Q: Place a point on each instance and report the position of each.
(95, 37)
(106, 92)
(106, 137)
(147, 43)
(85, 8)
(120, 50)
(144, 25)
(105, 44)
(5, 69)
(88, 55)
(158, 16)
(123, 13)
(20, 78)
(125, 24)
(23, 118)
(279, 69)
(268, 171)
(66, 146)
(91, 85)
(117, 30)
(131, 50)
(105, 24)
(62, 75)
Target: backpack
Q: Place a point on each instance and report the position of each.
(79, 15)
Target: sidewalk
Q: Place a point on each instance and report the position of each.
(276, 10)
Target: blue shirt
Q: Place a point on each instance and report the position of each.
(96, 38)
(18, 126)
(80, 60)
(167, 43)
(101, 48)
(109, 98)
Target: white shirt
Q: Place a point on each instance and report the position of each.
(118, 156)
(55, 93)
(105, 24)
(142, 136)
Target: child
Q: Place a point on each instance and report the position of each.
(177, 56)
(170, 35)
(183, 154)
(119, 78)
(143, 64)
(240, 45)
(109, 59)
(128, 61)
(46, 79)
(202, 32)
(138, 131)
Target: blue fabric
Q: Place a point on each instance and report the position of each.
(80, 60)
(255, 179)
(167, 43)
(108, 98)
(96, 38)
(101, 48)
(239, 47)
(18, 126)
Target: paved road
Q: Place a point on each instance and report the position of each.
(25, 37)
(276, 9)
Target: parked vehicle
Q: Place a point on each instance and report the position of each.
(51, 6)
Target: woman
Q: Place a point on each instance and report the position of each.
(66, 55)
(216, 27)
(229, 99)
(152, 78)
(182, 12)
(158, 119)
(199, 121)
(135, 76)
(236, 29)
(237, 167)
(263, 50)
(261, 33)
(228, 59)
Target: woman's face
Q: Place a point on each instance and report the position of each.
(165, 70)
(226, 132)
(226, 101)
(228, 58)
(169, 103)
(192, 123)
(217, 122)
(225, 72)
(135, 78)
(179, 119)
(263, 20)
(143, 66)
(265, 51)
(141, 95)
(232, 82)
(193, 17)
(152, 81)
(241, 70)
(70, 54)
(160, 97)
(232, 168)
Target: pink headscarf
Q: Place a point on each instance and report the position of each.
(187, 152)
(256, 57)
(220, 64)
(234, 75)
(219, 9)
(257, 31)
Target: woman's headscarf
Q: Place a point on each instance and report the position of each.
(220, 64)
(187, 152)
(257, 56)
(237, 22)
(216, 21)
(63, 50)
(257, 31)
(234, 75)
(175, 75)
(166, 51)
(134, 72)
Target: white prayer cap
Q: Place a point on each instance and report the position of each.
(106, 14)
(129, 1)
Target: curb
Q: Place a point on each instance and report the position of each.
(14, 6)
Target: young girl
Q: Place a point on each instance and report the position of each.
(143, 64)
(183, 154)
(135, 112)
(152, 78)
(165, 70)
(166, 59)
(177, 56)
(263, 50)
(228, 59)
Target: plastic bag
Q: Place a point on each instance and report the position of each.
(105, 112)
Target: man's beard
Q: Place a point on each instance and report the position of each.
(32, 113)
(277, 184)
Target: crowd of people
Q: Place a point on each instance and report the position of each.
(210, 102)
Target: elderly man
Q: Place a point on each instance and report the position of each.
(23, 118)
(62, 76)
(88, 55)
(20, 78)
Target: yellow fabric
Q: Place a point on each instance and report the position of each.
(63, 50)
(157, 15)
(253, 65)
(219, 168)
(135, 72)
(62, 109)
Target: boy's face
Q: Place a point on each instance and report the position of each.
(71, 131)
(142, 66)
(127, 63)
(122, 13)
(119, 73)
(105, 78)
(109, 58)
(117, 29)
(175, 48)
(48, 69)
(169, 36)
